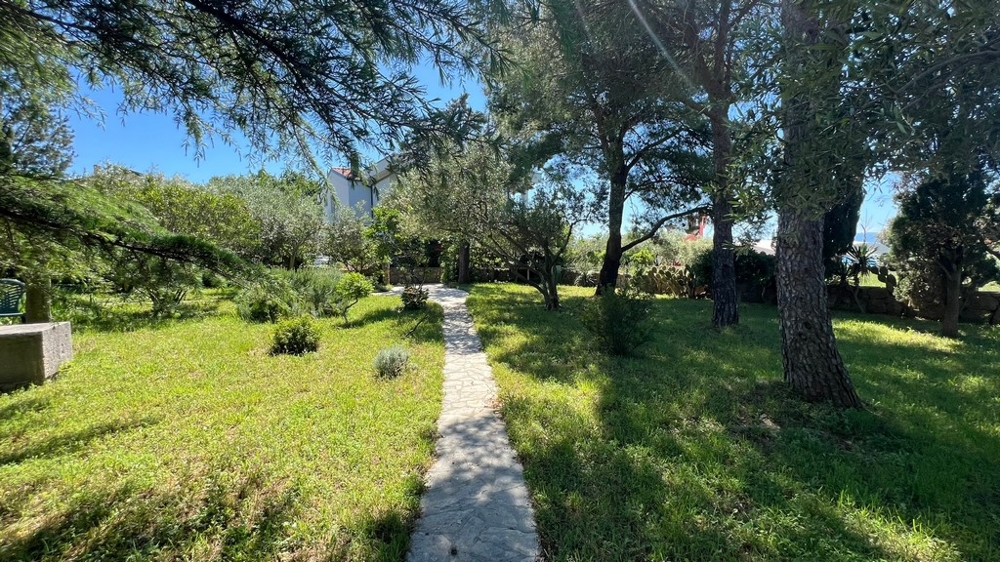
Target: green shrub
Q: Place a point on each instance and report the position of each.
(295, 337)
(351, 288)
(414, 298)
(317, 288)
(265, 303)
(390, 362)
(620, 320)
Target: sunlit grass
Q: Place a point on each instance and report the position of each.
(696, 451)
(185, 439)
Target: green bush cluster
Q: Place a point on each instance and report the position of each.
(351, 288)
(265, 303)
(295, 337)
(320, 292)
(752, 268)
(316, 288)
(620, 320)
(391, 362)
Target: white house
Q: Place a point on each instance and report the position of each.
(359, 193)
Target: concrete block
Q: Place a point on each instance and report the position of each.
(33, 353)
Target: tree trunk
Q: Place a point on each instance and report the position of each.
(812, 363)
(724, 298)
(952, 303)
(616, 210)
(809, 353)
(552, 298)
(38, 301)
(463, 263)
(612, 262)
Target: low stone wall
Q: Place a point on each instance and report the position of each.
(981, 307)
(397, 276)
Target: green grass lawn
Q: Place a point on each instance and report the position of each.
(696, 451)
(185, 440)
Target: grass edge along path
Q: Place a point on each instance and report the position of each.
(696, 451)
(186, 440)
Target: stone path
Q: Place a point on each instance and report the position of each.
(476, 506)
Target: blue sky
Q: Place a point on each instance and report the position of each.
(153, 141)
(150, 141)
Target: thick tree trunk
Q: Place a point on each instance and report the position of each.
(809, 353)
(463, 263)
(724, 298)
(952, 303)
(616, 210)
(612, 262)
(38, 301)
(725, 311)
(812, 363)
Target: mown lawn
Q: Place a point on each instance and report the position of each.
(695, 451)
(186, 440)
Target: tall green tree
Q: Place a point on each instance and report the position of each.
(808, 185)
(35, 146)
(851, 76)
(712, 39)
(590, 86)
(938, 247)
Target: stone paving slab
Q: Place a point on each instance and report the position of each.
(476, 506)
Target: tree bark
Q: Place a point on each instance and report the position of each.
(616, 210)
(552, 298)
(463, 262)
(952, 302)
(724, 297)
(812, 364)
(715, 77)
(38, 301)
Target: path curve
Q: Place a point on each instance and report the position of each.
(476, 505)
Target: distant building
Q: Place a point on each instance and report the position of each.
(359, 193)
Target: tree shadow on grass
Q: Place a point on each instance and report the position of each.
(71, 442)
(422, 326)
(20, 405)
(697, 450)
(101, 318)
(243, 517)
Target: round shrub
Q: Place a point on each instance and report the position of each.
(351, 288)
(295, 337)
(354, 286)
(390, 362)
(620, 320)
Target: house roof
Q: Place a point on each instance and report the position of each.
(346, 172)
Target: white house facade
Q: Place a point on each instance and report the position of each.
(359, 193)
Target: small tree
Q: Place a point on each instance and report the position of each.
(475, 193)
(351, 288)
(937, 246)
(344, 240)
